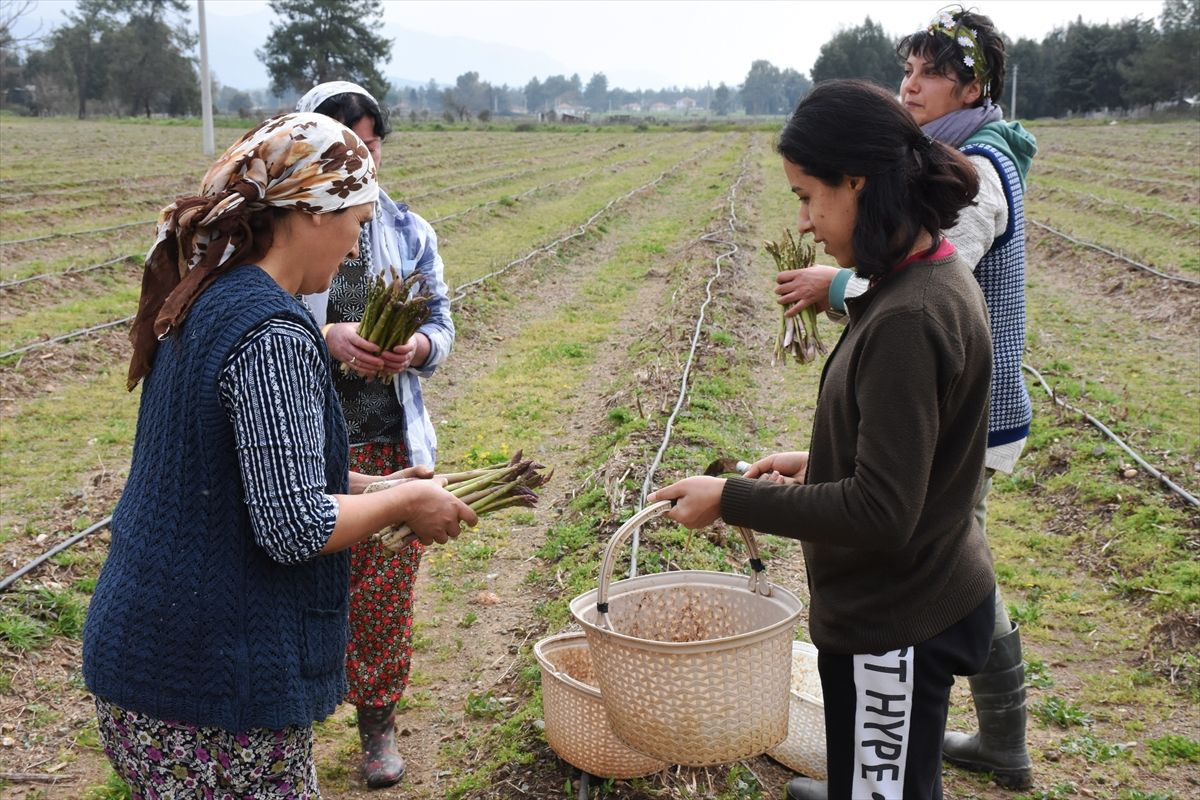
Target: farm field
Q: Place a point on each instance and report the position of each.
(592, 268)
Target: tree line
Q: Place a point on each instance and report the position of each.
(136, 57)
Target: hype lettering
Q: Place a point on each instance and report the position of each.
(883, 688)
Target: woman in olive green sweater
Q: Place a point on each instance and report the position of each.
(899, 572)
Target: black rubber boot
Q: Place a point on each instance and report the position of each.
(807, 789)
(999, 692)
(381, 762)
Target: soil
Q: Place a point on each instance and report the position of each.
(497, 645)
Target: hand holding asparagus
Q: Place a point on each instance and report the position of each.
(485, 490)
(798, 333)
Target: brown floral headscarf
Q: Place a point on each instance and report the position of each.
(302, 161)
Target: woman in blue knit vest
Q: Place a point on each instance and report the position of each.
(952, 86)
(216, 636)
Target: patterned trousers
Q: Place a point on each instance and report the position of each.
(379, 653)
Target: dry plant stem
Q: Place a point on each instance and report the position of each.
(797, 334)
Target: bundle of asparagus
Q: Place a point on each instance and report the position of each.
(797, 334)
(393, 312)
(485, 490)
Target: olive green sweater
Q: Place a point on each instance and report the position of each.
(893, 551)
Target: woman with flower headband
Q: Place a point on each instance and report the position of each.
(881, 501)
(388, 426)
(953, 82)
(216, 636)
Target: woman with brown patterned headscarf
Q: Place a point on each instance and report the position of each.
(217, 632)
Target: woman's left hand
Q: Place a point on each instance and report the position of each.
(697, 500)
(412, 353)
(409, 473)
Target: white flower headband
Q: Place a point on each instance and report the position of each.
(946, 23)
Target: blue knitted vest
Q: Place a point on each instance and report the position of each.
(1001, 276)
(191, 621)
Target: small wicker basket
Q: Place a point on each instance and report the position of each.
(576, 725)
(804, 748)
(693, 666)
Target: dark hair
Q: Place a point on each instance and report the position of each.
(913, 184)
(349, 107)
(946, 54)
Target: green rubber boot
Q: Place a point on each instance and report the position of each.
(999, 692)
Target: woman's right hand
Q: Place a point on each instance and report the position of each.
(793, 465)
(431, 512)
(354, 351)
(423, 505)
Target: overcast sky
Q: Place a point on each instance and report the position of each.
(645, 44)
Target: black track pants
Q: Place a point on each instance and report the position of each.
(885, 713)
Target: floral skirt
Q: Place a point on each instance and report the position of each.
(379, 652)
(160, 759)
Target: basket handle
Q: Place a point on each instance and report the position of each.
(757, 581)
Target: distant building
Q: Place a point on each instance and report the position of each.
(685, 104)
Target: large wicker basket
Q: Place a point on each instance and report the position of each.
(693, 666)
(576, 724)
(804, 748)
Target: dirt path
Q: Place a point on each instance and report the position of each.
(505, 606)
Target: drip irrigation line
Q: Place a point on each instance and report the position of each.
(731, 243)
(1116, 255)
(1148, 212)
(420, 177)
(53, 551)
(525, 193)
(1107, 176)
(9, 580)
(60, 234)
(65, 336)
(45, 276)
(528, 192)
(1187, 496)
(460, 292)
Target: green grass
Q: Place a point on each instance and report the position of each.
(1090, 561)
(1058, 711)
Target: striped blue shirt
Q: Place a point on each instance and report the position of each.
(269, 386)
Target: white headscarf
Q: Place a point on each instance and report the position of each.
(323, 91)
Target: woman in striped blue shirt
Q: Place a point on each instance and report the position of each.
(217, 633)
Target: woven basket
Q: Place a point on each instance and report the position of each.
(576, 725)
(804, 748)
(693, 666)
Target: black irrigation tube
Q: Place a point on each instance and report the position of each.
(45, 276)
(61, 234)
(1187, 496)
(1051, 167)
(495, 178)
(731, 243)
(527, 192)
(1116, 255)
(8, 581)
(1148, 212)
(460, 291)
(53, 551)
(64, 337)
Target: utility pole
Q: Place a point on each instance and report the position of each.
(1012, 103)
(205, 86)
